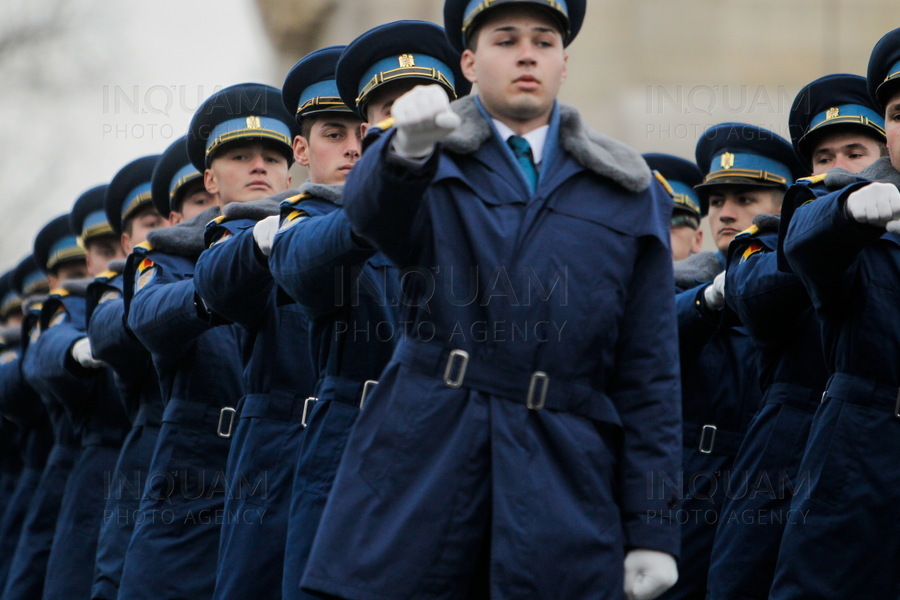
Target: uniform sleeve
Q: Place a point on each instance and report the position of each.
(646, 390)
(163, 314)
(233, 279)
(696, 323)
(822, 243)
(114, 344)
(56, 373)
(766, 300)
(314, 260)
(384, 202)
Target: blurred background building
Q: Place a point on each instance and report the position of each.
(90, 85)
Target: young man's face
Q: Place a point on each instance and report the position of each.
(73, 269)
(99, 251)
(892, 129)
(330, 149)
(732, 208)
(845, 149)
(519, 65)
(139, 225)
(686, 240)
(243, 172)
(194, 200)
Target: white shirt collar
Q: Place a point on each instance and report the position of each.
(536, 138)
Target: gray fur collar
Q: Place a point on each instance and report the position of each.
(331, 193)
(767, 222)
(116, 266)
(184, 239)
(594, 151)
(880, 170)
(11, 336)
(258, 209)
(77, 287)
(697, 269)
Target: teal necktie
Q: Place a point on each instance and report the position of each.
(521, 149)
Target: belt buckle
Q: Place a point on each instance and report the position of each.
(463, 357)
(230, 412)
(707, 448)
(540, 381)
(306, 403)
(368, 386)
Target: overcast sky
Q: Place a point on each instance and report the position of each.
(119, 81)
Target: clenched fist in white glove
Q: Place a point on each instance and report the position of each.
(714, 295)
(422, 117)
(876, 204)
(648, 573)
(264, 233)
(81, 352)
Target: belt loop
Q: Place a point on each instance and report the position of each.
(306, 403)
(368, 386)
(538, 379)
(707, 448)
(897, 405)
(230, 412)
(449, 379)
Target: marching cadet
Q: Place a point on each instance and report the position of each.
(87, 392)
(833, 125)
(61, 258)
(20, 405)
(10, 338)
(131, 215)
(240, 138)
(354, 330)
(845, 247)
(746, 172)
(480, 455)
(280, 377)
(681, 176)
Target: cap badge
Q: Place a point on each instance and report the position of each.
(253, 123)
(727, 160)
(832, 113)
(406, 60)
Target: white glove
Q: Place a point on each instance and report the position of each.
(714, 295)
(876, 204)
(264, 233)
(648, 573)
(81, 352)
(422, 117)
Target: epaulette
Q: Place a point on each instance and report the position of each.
(106, 275)
(290, 211)
(665, 184)
(295, 199)
(217, 221)
(59, 292)
(146, 246)
(749, 232)
(384, 125)
(814, 178)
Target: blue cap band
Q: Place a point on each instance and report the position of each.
(95, 224)
(33, 280)
(251, 127)
(321, 96)
(64, 249)
(135, 199)
(685, 197)
(420, 66)
(476, 7)
(182, 176)
(851, 114)
(750, 166)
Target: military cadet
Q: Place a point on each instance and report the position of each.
(234, 281)
(20, 403)
(354, 331)
(746, 172)
(131, 215)
(10, 337)
(484, 459)
(845, 247)
(61, 258)
(833, 125)
(240, 138)
(69, 373)
(178, 190)
(681, 176)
